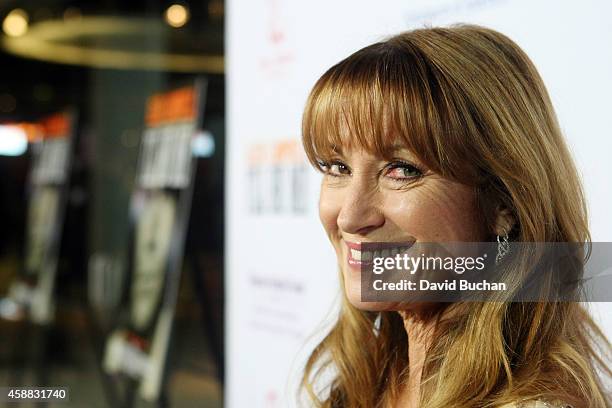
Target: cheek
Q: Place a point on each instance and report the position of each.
(329, 208)
(439, 211)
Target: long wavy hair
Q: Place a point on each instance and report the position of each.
(472, 106)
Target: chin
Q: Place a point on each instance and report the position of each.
(352, 291)
(373, 306)
(353, 294)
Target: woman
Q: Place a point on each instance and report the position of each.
(446, 135)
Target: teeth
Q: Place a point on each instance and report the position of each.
(361, 255)
(380, 253)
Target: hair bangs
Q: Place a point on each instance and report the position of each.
(379, 99)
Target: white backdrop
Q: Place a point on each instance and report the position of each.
(281, 281)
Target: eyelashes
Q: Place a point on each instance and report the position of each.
(403, 171)
(397, 170)
(334, 168)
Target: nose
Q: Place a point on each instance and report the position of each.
(360, 212)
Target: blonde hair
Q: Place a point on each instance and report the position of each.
(471, 105)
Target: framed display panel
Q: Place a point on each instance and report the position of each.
(48, 185)
(137, 347)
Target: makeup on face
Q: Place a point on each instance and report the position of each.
(365, 198)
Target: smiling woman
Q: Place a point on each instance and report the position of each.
(446, 135)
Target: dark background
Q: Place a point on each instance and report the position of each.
(110, 105)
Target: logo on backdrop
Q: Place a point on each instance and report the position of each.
(277, 178)
(277, 55)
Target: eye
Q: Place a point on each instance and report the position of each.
(334, 168)
(401, 171)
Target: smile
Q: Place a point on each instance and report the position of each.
(357, 256)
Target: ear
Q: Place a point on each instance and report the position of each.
(504, 221)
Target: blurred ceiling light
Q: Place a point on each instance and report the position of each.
(15, 24)
(13, 141)
(177, 15)
(60, 41)
(203, 144)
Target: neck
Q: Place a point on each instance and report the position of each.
(420, 330)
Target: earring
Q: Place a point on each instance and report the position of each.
(503, 247)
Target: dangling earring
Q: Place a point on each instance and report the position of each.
(503, 247)
(377, 322)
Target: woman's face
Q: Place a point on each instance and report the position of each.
(365, 198)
